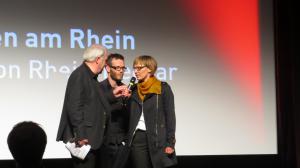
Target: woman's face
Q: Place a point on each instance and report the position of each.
(141, 72)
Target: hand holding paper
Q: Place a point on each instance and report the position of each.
(79, 152)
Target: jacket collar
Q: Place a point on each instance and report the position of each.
(89, 71)
(136, 97)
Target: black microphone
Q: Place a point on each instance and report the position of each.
(131, 83)
(129, 87)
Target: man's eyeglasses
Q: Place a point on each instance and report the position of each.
(118, 68)
(138, 68)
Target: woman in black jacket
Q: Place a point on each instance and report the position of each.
(152, 118)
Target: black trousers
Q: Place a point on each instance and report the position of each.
(108, 153)
(114, 156)
(140, 156)
(92, 160)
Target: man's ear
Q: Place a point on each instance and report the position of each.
(98, 60)
(107, 68)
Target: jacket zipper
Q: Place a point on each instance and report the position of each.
(135, 129)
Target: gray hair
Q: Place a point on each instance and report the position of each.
(94, 51)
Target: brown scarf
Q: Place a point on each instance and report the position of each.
(152, 85)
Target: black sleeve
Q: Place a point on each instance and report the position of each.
(75, 105)
(110, 96)
(114, 102)
(108, 92)
(169, 109)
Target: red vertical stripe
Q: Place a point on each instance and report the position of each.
(232, 28)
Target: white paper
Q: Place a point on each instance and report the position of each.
(79, 152)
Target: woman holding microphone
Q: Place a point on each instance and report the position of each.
(152, 118)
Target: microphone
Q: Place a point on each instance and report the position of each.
(131, 83)
(129, 87)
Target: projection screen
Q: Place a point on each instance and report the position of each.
(218, 57)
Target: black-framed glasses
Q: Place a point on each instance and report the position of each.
(118, 68)
(138, 68)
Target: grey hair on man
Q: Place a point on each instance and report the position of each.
(94, 51)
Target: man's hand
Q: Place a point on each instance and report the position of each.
(169, 150)
(121, 91)
(126, 93)
(82, 142)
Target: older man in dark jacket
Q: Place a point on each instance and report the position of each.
(85, 111)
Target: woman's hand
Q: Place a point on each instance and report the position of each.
(169, 150)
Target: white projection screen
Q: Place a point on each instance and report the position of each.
(218, 57)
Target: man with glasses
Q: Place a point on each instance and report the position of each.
(117, 129)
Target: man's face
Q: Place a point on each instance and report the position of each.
(101, 63)
(116, 70)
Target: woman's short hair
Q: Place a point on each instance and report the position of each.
(94, 51)
(147, 61)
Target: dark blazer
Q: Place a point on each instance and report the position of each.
(159, 115)
(85, 110)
